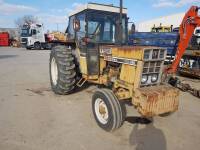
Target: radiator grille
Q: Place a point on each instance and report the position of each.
(152, 67)
(24, 40)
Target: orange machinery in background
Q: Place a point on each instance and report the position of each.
(187, 27)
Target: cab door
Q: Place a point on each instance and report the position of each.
(94, 35)
(79, 34)
(93, 57)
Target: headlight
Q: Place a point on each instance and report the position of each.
(144, 78)
(154, 77)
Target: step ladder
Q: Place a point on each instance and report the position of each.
(81, 82)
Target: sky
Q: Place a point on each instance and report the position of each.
(54, 13)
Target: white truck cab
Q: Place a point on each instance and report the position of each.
(32, 36)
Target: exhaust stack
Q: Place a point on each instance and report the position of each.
(120, 22)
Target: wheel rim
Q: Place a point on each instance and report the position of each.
(54, 71)
(37, 46)
(101, 111)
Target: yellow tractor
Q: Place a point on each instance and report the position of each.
(96, 51)
(162, 28)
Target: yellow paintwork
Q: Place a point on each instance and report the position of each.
(121, 84)
(102, 65)
(161, 29)
(138, 73)
(122, 93)
(83, 65)
(128, 73)
(59, 36)
(127, 78)
(129, 52)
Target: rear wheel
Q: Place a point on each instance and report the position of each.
(37, 46)
(108, 111)
(62, 70)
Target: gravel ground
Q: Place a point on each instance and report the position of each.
(32, 117)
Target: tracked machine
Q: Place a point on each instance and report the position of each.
(97, 52)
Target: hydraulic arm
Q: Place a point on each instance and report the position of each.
(190, 21)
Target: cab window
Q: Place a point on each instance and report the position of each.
(34, 32)
(81, 33)
(70, 29)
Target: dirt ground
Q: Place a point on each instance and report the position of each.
(32, 117)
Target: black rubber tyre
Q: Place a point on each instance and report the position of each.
(116, 112)
(66, 74)
(166, 114)
(37, 46)
(28, 48)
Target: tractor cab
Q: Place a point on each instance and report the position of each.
(92, 26)
(98, 24)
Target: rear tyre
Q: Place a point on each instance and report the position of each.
(37, 46)
(62, 70)
(107, 110)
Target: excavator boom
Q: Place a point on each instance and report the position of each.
(190, 21)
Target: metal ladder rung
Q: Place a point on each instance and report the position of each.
(81, 82)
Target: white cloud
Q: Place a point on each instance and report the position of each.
(68, 9)
(174, 3)
(52, 19)
(65, 10)
(9, 9)
(77, 5)
(56, 19)
(6, 23)
(58, 16)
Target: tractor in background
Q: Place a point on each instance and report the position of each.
(162, 28)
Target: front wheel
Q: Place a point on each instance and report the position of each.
(108, 111)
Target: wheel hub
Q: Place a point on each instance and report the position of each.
(54, 71)
(101, 111)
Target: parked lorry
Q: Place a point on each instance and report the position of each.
(33, 37)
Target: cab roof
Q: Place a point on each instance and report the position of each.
(101, 7)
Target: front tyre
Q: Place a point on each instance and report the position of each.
(62, 70)
(37, 46)
(107, 110)
(28, 48)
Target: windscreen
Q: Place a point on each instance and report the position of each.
(104, 27)
(25, 32)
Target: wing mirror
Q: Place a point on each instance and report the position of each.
(76, 25)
